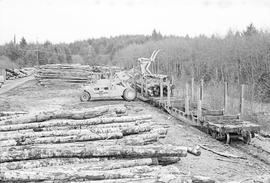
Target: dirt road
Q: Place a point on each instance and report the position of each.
(31, 97)
(10, 84)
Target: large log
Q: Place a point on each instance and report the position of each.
(27, 164)
(132, 180)
(79, 164)
(126, 129)
(164, 174)
(12, 113)
(140, 139)
(64, 139)
(194, 150)
(19, 136)
(160, 130)
(101, 165)
(147, 151)
(167, 160)
(164, 178)
(5, 118)
(64, 114)
(98, 126)
(67, 175)
(93, 121)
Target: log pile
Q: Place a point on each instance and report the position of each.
(12, 74)
(55, 74)
(58, 73)
(153, 89)
(91, 145)
(153, 85)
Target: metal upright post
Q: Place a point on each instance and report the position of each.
(187, 100)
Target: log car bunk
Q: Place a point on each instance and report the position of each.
(213, 122)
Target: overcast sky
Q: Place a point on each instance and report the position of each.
(69, 20)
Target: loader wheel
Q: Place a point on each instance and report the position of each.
(129, 94)
(85, 96)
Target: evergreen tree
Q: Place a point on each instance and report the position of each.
(23, 42)
(156, 35)
(251, 30)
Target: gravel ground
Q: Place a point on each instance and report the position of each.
(31, 97)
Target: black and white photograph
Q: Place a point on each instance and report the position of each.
(135, 91)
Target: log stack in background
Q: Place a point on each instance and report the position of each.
(62, 73)
(12, 74)
(56, 74)
(100, 144)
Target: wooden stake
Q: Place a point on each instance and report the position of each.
(201, 90)
(225, 97)
(133, 79)
(142, 85)
(168, 92)
(192, 89)
(146, 88)
(187, 100)
(172, 81)
(161, 89)
(199, 105)
(241, 107)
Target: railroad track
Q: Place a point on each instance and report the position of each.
(256, 152)
(253, 150)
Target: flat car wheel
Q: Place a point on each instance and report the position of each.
(247, 138)
(85, 96)
(129, 94)
(214, 134)
(228, 138)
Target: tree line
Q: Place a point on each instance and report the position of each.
(239, 57)
(92, 51)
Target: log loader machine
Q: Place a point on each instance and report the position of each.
(153, 80)
(117, 86)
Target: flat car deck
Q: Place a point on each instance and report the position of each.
(219, 126)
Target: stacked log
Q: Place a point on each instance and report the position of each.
(86, 145)
(6, 115)
(153, 89)
(12, 74)
(57, 74)
(11, 113)
(65, 114)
